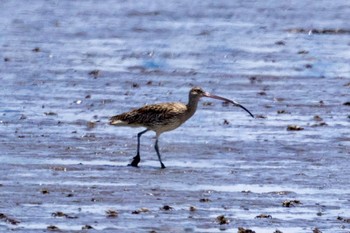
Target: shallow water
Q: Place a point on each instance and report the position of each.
(272, 57)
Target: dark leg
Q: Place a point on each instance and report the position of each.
(137, 158)
(159, 157)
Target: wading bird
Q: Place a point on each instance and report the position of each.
(163, 117)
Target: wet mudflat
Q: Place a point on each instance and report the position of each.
(67, 66)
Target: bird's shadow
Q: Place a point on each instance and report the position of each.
(138, 168)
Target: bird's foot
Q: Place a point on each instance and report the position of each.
(162, 166)
(135, 161)
(133, 165)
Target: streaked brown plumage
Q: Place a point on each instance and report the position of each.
(157, 117)
(163, 117)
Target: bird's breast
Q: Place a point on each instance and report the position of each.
(167, 125)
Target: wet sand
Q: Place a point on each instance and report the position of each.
(67, 67)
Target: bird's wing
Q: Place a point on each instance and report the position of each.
(150, 114)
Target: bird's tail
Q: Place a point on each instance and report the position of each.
(115, 120)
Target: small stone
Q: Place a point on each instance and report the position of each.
(260, 116)
(91, 124)
(58, 214)
(282, 112)
(318, 118)
(139, 211)
(316, 230)
(221, 219)
(207, 103)
(303, 52)
(23, 117)
(167, 207)
(36, 49)
(45, 191)
(347, 220)
(50, 113)
(308, 66)
(245, 230)
(95, 73)
(294, 128)
(86, 227)
(52, 228)
(263, 216)
(290, 203)
(204, 200)
(112, 213)
(280, 42)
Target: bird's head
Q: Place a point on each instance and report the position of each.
(197, 93)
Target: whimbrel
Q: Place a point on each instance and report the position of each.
(163, 117)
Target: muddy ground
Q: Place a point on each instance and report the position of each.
(67, 66)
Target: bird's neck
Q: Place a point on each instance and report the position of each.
(192, 106)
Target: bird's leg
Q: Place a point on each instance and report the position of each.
(137, 158)
(159, 157)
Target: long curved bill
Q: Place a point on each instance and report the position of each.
(206, 94)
